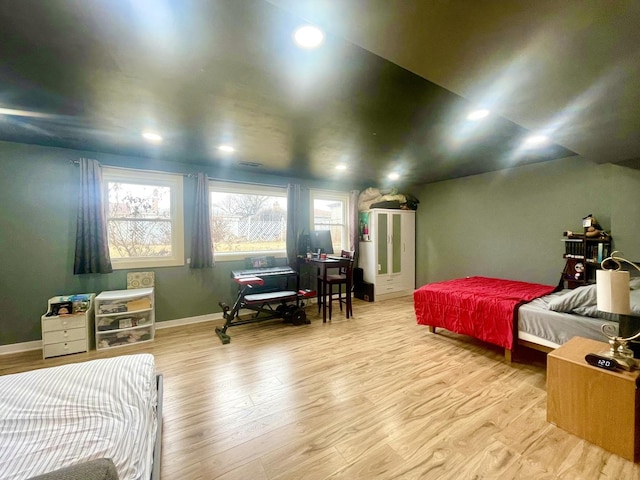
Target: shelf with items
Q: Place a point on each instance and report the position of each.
(583, 256)
(363, 218)
(124, 317)
(67, 325)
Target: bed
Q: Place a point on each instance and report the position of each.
(507, 312)
(68, 415)
(549, 321)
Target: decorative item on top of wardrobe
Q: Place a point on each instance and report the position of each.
(376, 198)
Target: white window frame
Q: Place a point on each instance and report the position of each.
(344, 197)
(142, 177)
(246, 189)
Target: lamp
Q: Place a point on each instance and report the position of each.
(612, 290)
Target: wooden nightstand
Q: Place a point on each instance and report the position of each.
(601, 406)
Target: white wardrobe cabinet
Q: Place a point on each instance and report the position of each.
(388, 250)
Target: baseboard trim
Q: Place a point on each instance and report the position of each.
(388, 296)
(20, 347)
(188, 320)
(37, 344)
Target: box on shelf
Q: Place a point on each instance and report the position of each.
(138, 304)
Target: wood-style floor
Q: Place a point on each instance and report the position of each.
(372, 397)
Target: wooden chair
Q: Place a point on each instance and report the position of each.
(344, 276)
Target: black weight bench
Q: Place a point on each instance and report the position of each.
(262, 305)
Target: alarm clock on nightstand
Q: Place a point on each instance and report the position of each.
(601, 361)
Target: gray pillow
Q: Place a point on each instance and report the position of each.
(634, 283)
(587, 311)
(576, 298)
(592, 310)
(99, 469)
(635, 302)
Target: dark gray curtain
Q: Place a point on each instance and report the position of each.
(201, 244)
(92, 246)
(354, 234)
(293, 222)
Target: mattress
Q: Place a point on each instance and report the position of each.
(538, 324)
(61, 416)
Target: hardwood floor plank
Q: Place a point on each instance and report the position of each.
(372, 397)
(296, 462)
(252, 470)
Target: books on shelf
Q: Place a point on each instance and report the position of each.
(590, 251)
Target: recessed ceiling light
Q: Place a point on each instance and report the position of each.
(478, 114)
(308, 37)
(226, 148)
(152, 137)
(341, 167)
(394, 176)
(536, 140)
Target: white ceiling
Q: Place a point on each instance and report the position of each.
(570, 68)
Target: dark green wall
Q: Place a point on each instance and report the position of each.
(505, 224)
(625, 210)
(509, 223)
(38, 204)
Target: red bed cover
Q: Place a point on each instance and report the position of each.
(481, 307)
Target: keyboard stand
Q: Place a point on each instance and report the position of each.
(262, 305)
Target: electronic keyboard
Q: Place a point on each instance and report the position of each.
(263, 272)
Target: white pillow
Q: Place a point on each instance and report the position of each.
(634, 283)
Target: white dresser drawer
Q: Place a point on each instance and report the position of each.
(63, 323)
(385, 288)
(56, 349)
(61, 336)
(388, 284)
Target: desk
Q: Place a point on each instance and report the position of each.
(323, 265)
(598, 405)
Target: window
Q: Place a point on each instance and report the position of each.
(329, 211)
(248, 219)
(144, 218)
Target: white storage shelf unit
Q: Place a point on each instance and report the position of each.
(124, 317)
(71, 331)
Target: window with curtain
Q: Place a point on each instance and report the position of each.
(145, 219)
(330, 211)
(247, 219)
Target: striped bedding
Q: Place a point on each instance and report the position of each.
(61, 416)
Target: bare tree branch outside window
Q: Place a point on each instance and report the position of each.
(139, 220)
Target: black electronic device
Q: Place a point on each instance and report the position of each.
(602, 361)
(320, 241)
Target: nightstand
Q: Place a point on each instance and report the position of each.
(71, 331)
(601, 406)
